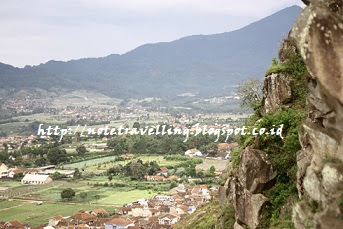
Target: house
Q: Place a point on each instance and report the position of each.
(154, 211)
(36, 179)
(177, 198)
(196, 191)
(218, 174)
(15, 224)
(233, 145)
(31, 171)
(127, 156)
(179, 210)
(193, 152)
(99, 223)
(124, 211)
(223, 147)
(143, 202)
(153, 178)
(14, 172)
(163, 171)
(67, 173)
(55, 220)
(168, 219)
(140, 211)
(119, 223)
(171, 178)
(164, 198)
(99, 212)
(82, 217)
(3, 170)
(223, 154)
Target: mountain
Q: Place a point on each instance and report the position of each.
(202, 64)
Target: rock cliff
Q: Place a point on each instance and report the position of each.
(318, 34)
(296, 182)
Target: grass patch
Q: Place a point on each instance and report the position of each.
(205, 217)
(34, 215)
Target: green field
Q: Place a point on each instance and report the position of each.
(34, 215)
(125, 196)
(218, 164)
(92, 164)
(8, 204)
(89, 163)
(9, 183)
(107, 195)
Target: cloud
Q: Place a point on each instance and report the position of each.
(36, 31)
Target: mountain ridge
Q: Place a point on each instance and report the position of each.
(202, 64)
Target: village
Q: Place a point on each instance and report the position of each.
(178, 192)
(159, 212)
(127, 182)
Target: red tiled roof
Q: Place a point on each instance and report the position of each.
(82, 215)
(58, 217)
(119, 221)
(223, 146)
(164, 169)
(100, 210)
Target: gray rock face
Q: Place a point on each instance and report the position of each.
(318, 34)
(276, 92)
(254, 174)
(255, 170)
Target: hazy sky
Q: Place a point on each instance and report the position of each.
(36, 31)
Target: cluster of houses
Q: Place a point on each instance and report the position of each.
(24, 104)
(161, 175)
(15, 142)
(34, 176)
(159, 212)
(223, 151)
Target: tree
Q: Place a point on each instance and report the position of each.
(56, 176)
(110, 177)
(97, 197)
(77, 173)
(211, 171)
(250, 91)
(57, 156)
(173, 184)
(136, 125)
(5, 147)
(83, 195)
(67, 193)
(81, 150)
(135, 169)
(153, 167)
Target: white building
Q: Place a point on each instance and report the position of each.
(36, 179)
(164, 197)
(193, 152)
(3, 170)
(168, 219)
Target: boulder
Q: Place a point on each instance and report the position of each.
(222, 193)
(302, 215)
(276, 92)
(254, 174)
(249, 208)
(255, 171)
(237, 226)
(312, 185)
(332, 177)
